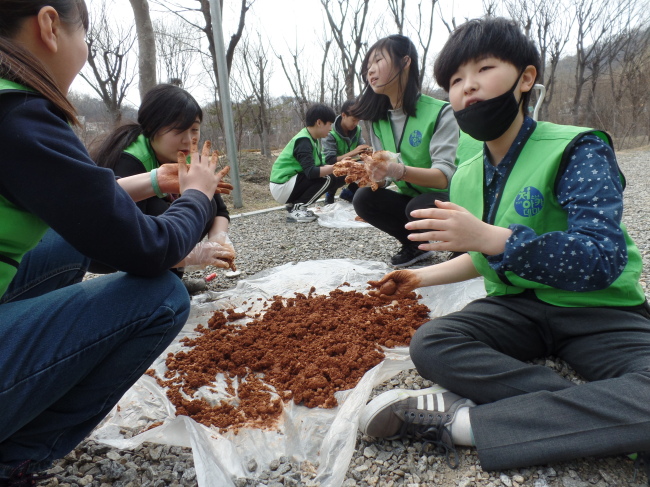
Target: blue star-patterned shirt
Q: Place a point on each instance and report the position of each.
(591, 253)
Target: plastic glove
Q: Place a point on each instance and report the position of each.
(396, 283)
(208, 253)
(384, 164)
(223, 239)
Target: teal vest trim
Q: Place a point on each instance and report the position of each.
(21, 230)
(529, 198)
(287, 166)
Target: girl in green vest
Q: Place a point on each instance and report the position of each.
(70, 349)
(421, 129)
(168, 119)
(539, 213)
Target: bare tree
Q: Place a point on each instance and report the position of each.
(550, 28)
(258, 71)
(177, 49)
(347, 26)
(595, 20)
(323, 70)
(396, 8)
(108, 72)
(297, 78)
(629, 85)
(146, 46)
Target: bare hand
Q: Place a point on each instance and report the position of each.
(201, 174)
(396, 283)
(359, 149)
(452, 227)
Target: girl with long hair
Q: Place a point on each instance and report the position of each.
(70, 349)
(420, 129)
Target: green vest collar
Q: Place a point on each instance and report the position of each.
(6, 85)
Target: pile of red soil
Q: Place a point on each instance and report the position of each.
(302, 349)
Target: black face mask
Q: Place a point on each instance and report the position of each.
(489, 119)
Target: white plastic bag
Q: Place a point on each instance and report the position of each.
(326, 436)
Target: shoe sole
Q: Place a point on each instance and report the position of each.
(385, 399)
(414, 260)
(292, 220)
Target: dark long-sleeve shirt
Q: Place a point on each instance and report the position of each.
(592, 252)
(46, 170)
(303, 151)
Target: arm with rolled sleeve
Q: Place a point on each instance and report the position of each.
(591, 253)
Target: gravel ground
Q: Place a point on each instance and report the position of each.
(265, 240)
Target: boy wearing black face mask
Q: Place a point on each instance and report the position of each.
(540, 217)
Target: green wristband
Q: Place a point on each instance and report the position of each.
(155, 185)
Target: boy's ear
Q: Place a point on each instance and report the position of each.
(528, 78)
(49, 24)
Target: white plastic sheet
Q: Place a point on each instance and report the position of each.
(340, 214)
(326, 436)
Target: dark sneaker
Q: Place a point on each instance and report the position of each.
(409, 255)
(329, 198)
(195, 286)
(423, 415)
(346, 195)
(300, 215)
(20, 477)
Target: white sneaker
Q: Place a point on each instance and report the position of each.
(300, 215)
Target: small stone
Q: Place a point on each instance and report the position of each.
(156, 452)
(370, 452)
(251, 465)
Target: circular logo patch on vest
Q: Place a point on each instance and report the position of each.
(529, 201)
(415, 139)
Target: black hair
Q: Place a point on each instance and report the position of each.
(345, 108)
(486, 37)
(318, 112)
(372, 106)
(19, 65)
(165, 107)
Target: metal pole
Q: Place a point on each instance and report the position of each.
(224, 95)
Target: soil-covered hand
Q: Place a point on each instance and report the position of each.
(223, 239)
(396, 283)
(209, 253)
(383, 164)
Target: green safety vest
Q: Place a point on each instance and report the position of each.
(346, 144)
(287, 166)
(415, 141)
(528, 197)
(21, 230)
(142, 151)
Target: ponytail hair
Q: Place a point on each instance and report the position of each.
(17, 64)
(164, 108)
(372, 106)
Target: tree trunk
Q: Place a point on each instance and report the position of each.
(146, 46)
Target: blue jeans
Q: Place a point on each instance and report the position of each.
(69, 349)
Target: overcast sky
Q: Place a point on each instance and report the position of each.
(287, 22)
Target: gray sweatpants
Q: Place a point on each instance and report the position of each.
(528, 414)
